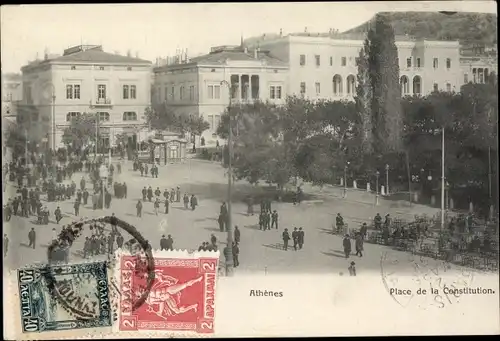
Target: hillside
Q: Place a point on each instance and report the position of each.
(463, 26)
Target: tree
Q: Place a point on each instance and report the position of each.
(81, 132)
(364, 97)
(162, 117)
(196, 125)
(383, 70)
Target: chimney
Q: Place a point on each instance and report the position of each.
(281, 32)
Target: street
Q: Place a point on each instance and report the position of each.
(260, 251)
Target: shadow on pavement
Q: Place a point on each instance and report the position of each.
(327, 231)
(25, 245)
(213, 229)
(334, 254)
(276, 246)
(253, 227)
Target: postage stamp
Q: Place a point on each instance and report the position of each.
(63, 297)
(181, 299)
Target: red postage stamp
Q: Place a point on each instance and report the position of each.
(181, 297)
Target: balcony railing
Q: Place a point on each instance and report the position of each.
(103, 102)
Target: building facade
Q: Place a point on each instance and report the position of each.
(201, 86)
(85, 79)
(12, 92)
(324, 66)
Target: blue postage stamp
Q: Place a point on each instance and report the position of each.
(63, 297)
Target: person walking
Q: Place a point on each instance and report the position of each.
(237, 234)
(295, 237)
(163, 243)
(236, 253)
(32, 238)
(274, 219)
(186, 201)
(194, 202)
(139, 208)
(167, 205)
(359, 245)
(286, 238)
(5, 244)
(77, 207)
(346, 243)
(301, 238)
(157, 205)
(352, 269)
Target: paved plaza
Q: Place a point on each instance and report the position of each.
(260, 252)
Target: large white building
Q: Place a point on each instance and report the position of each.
(200, 86)
(85, 79)
(323, 66)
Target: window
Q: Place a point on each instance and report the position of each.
(214, 91)
(448, 87)
(317, 85)
(337, 85)
(331, 61)
(101, 91)
(344, 61)
(172, 94)
(101, 68)
(408, 62)
(278, 92)
(466, 78)
(448, 63)
(216, 121)
(133, 92)
(351, 85)
(435, 63)
(182, 92)
(129, 116)
(302, 59)
(103, 116)
(191, 92)
(303, 88)
(71, 115)
(76, 91)
(318, 60)
(405, 85)
(165, 92)
(69, 91)
(418, 62)
(417, 85)
(73, 67)
(125, 91)
(436, 88)
(272, 92)
(211, 122)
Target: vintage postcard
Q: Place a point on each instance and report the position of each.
(250, 169)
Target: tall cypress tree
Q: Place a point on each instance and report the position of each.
(383, 69)
(364, 98)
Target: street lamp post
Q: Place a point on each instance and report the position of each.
(377, 174)
(442, 178)
(103, 174)
(228, 252)
(386, 179)
(345, 179)
(26, 147)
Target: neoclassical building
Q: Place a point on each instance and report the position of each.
(86, 79)
(323, 66)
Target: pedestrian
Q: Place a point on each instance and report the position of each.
(163, 243)
(172, 195)
(166, 194)
(85, 196)
(363, 230)
(146, 169)
(186, 201)
(157, 192)
(194, 202)
(267, 220)
(213, 240)
(295, 237)
(139, 208)
(157, 205)
(274, 219)
(5, 245)
(236, 252)
(77, 207)
(86, 247)
(301, 238)
(170, 243)
(261, 220)
(144, 193)
(346, 243)
(150, 193)
(237, 234)
(359, 244)
(32, 238)
(178, 194)
(111, 241)
(250, 206)
(286, 238)
(54, 235)
(352, 269)
(167, 204)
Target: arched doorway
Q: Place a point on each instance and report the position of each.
(417, 85)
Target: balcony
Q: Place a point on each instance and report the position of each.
(102, 103)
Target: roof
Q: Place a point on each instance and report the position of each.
(220, 57)
(99, 56)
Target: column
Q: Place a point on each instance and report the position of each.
(239, 87)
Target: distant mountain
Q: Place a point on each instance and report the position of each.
(466, 27)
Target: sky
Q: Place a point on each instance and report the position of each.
(157, 30)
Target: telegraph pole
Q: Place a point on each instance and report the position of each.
(443, 183)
